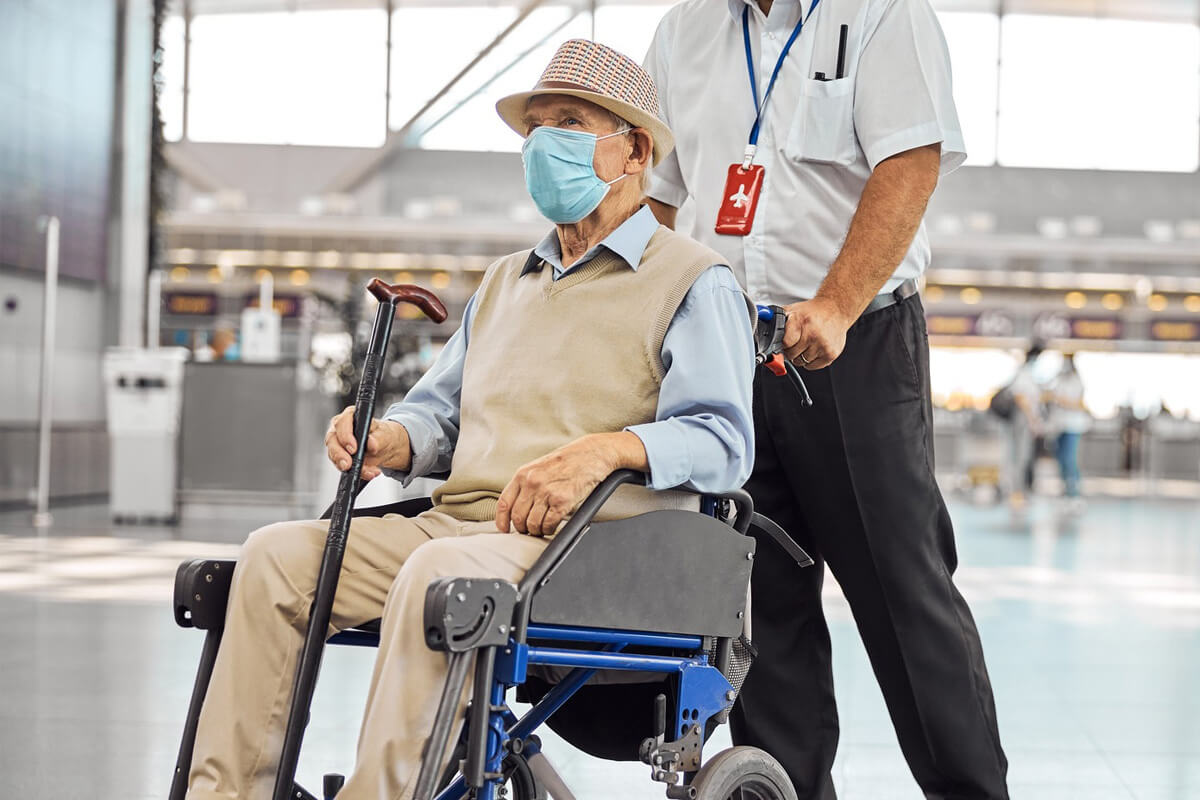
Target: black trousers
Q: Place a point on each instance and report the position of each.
(851, 479)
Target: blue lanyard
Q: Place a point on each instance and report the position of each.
(760, 108)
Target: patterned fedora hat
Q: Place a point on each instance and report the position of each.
(600, 75)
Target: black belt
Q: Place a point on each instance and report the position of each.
(899, 294)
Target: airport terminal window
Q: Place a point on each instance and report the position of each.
(170, 98)
(465, 119)
(311, 77)
(421, 61)
(974, 42)
(1099, 94)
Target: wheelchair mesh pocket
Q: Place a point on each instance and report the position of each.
(741, 658)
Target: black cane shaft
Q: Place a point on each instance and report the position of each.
(331, 562)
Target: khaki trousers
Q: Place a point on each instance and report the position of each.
(388, 564)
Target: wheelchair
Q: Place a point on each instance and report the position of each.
(660, 598)
(673, 617)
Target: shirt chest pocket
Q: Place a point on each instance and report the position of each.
(822, 128)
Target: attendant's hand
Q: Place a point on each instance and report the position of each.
(543, 492)
(816, 332)
(387, 445)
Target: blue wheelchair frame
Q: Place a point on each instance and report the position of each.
(703, 691)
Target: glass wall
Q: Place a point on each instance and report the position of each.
(1032, 90)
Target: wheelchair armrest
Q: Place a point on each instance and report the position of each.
(406, 508)
(202, 592)
(564, 541)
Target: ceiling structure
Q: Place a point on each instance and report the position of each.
(1166, 10)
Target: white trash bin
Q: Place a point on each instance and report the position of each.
(145, 398)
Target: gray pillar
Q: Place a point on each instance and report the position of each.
(129, 223)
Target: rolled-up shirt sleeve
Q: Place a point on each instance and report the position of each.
(666, 178)
(703, 434)
(430, 410)
(903, 91)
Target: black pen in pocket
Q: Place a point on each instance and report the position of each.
(841, 62)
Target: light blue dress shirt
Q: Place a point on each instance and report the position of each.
(703, 435)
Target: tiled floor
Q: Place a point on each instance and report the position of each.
(1091, 628)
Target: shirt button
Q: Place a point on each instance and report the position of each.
(771, 36)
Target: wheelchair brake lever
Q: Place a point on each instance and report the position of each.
(768, 345)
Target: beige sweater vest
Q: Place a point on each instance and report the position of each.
(550, 361)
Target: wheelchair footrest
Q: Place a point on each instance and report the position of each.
(462, 614)
(202, 592)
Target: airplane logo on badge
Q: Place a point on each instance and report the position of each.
(740, 199)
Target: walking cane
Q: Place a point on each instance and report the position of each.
(389, 297)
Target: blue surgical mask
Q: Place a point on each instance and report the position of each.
(559, 173)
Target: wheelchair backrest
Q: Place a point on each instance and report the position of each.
(661, 572)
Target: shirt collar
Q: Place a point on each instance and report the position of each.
(736, 6)
(628, 241)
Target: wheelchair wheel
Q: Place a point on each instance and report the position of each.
(519, 780)
(742, 773)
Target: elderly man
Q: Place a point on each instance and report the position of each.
(615, 343)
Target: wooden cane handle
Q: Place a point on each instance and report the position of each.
(423, 299)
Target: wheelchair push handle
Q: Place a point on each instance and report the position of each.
(768, 345)
(395, 293)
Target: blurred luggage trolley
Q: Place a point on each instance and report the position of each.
(144, 389)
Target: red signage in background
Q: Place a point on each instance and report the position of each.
(288, 306)
(190, 304)
(1175, 330)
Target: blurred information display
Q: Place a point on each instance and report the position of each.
(145, 392)
(190, 304)
(986, 323)
(1096, 328)
(1175, 331)
(1065, 326)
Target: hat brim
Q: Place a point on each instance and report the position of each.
(512, 110)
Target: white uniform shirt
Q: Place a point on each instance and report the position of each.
(819, 139)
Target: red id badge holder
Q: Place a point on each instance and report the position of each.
(740, 200)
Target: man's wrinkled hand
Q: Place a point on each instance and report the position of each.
(543, 492)
(816, 333)
(387, 445)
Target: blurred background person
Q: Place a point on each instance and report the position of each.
(225, 345)
(1069, 418)
(1025, 423)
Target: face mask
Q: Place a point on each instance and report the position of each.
(559, 173)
